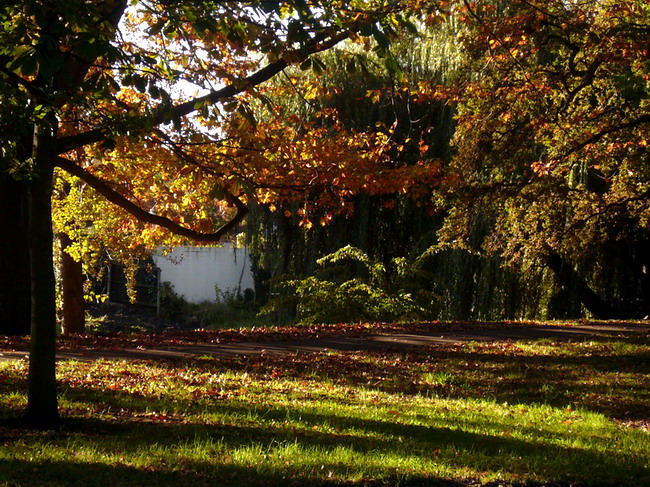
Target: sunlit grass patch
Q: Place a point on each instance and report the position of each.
(512, 412)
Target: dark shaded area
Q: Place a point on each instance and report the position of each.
(15, 300)
(122, 318)
(72, 474)
(146, 283)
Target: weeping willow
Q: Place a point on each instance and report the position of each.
(470, 283)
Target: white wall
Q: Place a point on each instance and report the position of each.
(194, 271)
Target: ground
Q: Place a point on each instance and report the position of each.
(317, 338)
(448, 404)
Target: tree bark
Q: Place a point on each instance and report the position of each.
(15, 300)
(74, 309)
(42, 407)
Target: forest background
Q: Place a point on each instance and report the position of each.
(537, 115)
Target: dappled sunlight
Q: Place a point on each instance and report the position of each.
(513, 412)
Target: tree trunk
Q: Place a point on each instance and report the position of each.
(74, 310)
(42, 408)
(15, 301)
(571, 280)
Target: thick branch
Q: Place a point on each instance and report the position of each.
(580, 223)
(114, 197)
(164, 115)
(569, 278)
(13, 78)
(640, 120)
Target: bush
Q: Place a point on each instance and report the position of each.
(231, 308)
(352, 287)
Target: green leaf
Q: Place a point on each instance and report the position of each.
(382, 39)
(366, 30)
(26, 61)
(247, 114)
(411, 27)
(318, 66)
(112, 82)
(393, 67)
(306, 64)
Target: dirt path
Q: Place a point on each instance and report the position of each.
(392, 341)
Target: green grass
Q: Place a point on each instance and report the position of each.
(523, 413)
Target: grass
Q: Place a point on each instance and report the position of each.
(515, 413)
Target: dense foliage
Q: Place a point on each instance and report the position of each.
(149, 104)
(551, 145)
(543, 196)
(374, 291)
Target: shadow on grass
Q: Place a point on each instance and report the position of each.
(553, 380)
(369, 445)
(188, 472)
(68, 473)
(614, 384)
(617, 386)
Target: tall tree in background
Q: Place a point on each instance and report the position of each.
(551, 145)
(548, 173)
(390, 217)
(101, 92)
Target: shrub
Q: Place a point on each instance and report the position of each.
(351, 286)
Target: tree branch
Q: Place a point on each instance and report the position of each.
(163, 115)
(114, 197)
(640, 120)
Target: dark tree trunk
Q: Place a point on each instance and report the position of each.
(570, 280)
(42, 408)
(15, 300)
(635, 256)
(74, 310)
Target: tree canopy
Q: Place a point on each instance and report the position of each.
(156, 121)
(547, 169)
(551, 144)
(153, 98)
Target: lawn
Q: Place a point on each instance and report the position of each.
(515, 413)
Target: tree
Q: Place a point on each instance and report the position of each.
(549, 172)
(389, 218)
(99, 91)
(551, 145)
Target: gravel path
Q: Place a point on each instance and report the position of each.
(392, 341)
